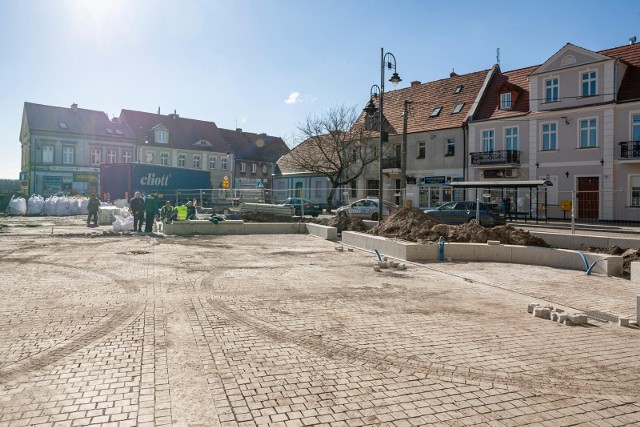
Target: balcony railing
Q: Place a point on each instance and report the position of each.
(500, 157)
(629, 149)
(391, 163)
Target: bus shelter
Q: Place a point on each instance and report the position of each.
(525, 199)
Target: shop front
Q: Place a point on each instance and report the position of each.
(436, 190)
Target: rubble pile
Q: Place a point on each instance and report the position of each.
(413, 225)
(344, 224)
(628, 256)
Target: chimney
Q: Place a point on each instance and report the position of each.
(452, 73)
(175, 115)
(238, 129)
(632, 40)
(74, 106)
(416, 83)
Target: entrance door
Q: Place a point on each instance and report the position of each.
(588, 197)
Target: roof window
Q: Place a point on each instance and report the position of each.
(62, 125)
(118, 131)
(458, 108)
(109, 131)
(435, 112)
(458, 89)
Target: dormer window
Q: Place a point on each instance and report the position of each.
(204, 143)
(505, 101)
(162, 136)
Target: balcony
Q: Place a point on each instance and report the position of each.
(392, 163)
(500, 157)
(629, 150)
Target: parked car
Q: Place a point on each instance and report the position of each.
(303, 205)
(366, 209)
(465, 211)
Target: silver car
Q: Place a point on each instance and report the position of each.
(366, 209)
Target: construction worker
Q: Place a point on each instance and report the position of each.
(181, 212)
(151, 211)
(167, 215)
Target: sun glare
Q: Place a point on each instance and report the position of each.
(96, 17)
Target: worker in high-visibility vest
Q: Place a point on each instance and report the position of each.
(181, 212)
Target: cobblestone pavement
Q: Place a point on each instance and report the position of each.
(286, 331)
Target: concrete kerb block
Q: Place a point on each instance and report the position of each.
(542, 312)
(562, 317)
(622, 321)
(635, 271)
(531, 307)
(575, 319)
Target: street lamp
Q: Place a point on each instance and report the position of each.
(387, 60)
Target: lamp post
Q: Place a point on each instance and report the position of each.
(387, 60)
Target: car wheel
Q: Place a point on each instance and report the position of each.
(342, 214)
(374, 217)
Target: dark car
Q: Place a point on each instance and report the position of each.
(304, 206)
(465, 211)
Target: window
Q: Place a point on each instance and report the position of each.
(488, 140)
(149, 157)
(451, 147)
(551, 90)
(505, 101)
(109, 131)
(264, 169)
(635, 127)
(243, 167)
(458, 108)
(182, 160)
(422, 150)
(212, 162)
(162, 136)
(67, 154)
(589, 80)
(254, 168)
(549, 136)
(196, 161)
(511, 138)
(458, 89)
(223, 162)
(635, 191)
(47, 153)
(318, 189)
(436, 112)
(164, 159)
(62, 125)
(588, 133)
(126, 156)
(119, 132)
(96, 156)
(112, 156)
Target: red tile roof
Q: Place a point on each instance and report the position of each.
(489, 106)
(428, 96)
(630, 87)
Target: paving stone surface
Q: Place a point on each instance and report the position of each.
(285, 331)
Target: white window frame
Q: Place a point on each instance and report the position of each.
(164, 159)
(127, 156)
(589, 81)
(254, 168)
(589, 129)
(96, 156)
(68, 154)
(112, 155)
(212, 162)
(182, 160)
(513, 139)
(265, 170)
(557, 87)
(488, 140)
(505, 101)
(149, 157)
(450, 148)
(633, 203)
(162, 136)
(223, 163)
(48, 148)
(543, 133)
(196, 161)
(243, 167)
(421, 150)
(634, 126)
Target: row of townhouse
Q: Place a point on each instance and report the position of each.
(573, 122)
(63, 148)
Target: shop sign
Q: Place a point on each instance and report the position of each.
(85, 177)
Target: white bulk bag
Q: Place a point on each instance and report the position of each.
(50, 206)
(122, 224)
(83, 206)
(35, 205)
(17, 206)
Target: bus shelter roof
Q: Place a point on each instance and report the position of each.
(502, 184)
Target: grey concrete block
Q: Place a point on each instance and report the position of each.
(493, 242)
(532, 306)
(542, 312)
(575, 319)
(562, 317)
(623, 321)
(635, 271)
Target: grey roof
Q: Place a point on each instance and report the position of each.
(77, 121)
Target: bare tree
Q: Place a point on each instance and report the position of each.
(338, 145)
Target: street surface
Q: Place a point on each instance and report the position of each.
(286, 331)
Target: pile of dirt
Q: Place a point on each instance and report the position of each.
(412, 224)
(344, 224)
(265, 217)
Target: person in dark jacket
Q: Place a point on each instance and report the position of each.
(191, 210)
(152, 210)
(137, 209)
(92, 207)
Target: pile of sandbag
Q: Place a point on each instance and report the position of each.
(35, 205)
(122, 223)
(65, 206)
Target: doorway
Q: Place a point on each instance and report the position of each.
(588, 196)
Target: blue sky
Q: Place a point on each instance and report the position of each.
(266, 65)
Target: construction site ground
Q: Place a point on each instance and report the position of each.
(98, 328)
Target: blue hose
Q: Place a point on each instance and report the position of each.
(378, 255)
(586, 263)
(441, 244)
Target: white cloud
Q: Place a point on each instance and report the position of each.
(294, 98)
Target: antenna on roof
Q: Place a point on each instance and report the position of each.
(158, 109)
(498, 56)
